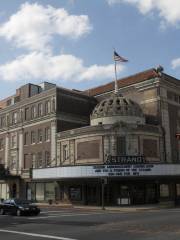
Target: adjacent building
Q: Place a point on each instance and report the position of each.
(29, 121)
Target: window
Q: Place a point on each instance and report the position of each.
(65, 152)
(1, 143)
(150, 148)
(14, 117)
(27, 162)
(40, 135)
(39, 160)
(13, 141)
(47, 134)
(164, 190)
(33, 137)
(7, 119)
(33, 112)
(75, 193)
(121, 146)
(3, 121)
(26, 138)
(49, 191)
(178, 189)
(40, 191)
(87, 150)
(13, 162)
(40, 109)
(33, 157)
(47, 159)
(26, 113)
(9, 101)
(47, 107)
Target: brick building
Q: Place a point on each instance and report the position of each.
(128, 141)
(137, 130)
(29, 121)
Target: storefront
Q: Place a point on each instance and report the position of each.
(124, 184)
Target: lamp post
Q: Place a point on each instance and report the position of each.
(103, 183)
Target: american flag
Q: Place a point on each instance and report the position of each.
(118, 58)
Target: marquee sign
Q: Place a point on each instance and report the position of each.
(124, 170)
(125, 159)
(110, 170)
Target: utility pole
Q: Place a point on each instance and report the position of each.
(102, 193)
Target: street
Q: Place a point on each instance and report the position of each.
(74, 224)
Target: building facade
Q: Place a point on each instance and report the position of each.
(137, 130)
(29, 121)
(119, 148)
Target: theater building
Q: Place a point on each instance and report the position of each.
(129, 152)
(117, 148)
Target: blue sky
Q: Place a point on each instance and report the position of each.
(71, 42)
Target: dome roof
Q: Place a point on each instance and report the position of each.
(117, 105)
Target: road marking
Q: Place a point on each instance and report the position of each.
(54, 212)
(36, 235)
(64, 215)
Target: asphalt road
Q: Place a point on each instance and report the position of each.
(68, 224)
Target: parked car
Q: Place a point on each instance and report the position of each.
(18, 207)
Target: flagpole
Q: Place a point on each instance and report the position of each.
(116, 84)
(117, 58)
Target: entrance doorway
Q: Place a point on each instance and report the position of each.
(92, 195)
(144, 194)
(14, 190)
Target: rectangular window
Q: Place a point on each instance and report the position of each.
(47, 134)
(40, 109)
(1, 143)
(121, 146)
(40, 135)
(26, 134)
(39, 160)
(49, 191)
(33, 137)
(150, 148)
(47, 107)
(65, 152)
(164, 190)
(178, 189)
(3, 121)
(33, 112)
(7, 120)
(75, 193)
(13, 162)
(14, 117)
(47, 159)
(26, 113)
(39, 191)
(33, 157)
(9, 101)
(13, 141)
(27, 161)
(85, 150)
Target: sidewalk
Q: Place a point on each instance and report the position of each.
(99, 208)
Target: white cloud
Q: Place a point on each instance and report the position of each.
(34, 26)
(175, 63)
(168, 10)
(44, 67)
